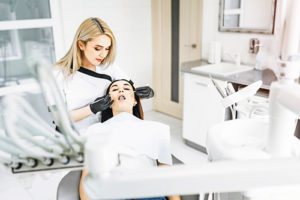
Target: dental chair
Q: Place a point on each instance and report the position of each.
(68, 188)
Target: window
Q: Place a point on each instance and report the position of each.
(232, 13)
(27, 27)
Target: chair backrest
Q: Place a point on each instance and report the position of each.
(68, 188)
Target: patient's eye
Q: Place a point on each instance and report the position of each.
(114, 90)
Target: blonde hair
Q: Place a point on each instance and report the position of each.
(87, 31)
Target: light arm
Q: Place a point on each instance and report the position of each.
(182, 179)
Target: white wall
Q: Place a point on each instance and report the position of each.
(233, 42)
(130, 20)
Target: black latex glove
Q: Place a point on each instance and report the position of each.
(144, 92)
(101, 103)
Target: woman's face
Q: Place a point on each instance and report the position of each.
(95, 50)
(122, 94)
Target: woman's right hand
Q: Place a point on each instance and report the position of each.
(101, 103)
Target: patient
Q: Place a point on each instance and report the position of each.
(124, 119)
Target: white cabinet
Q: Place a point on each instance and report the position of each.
(201, 107)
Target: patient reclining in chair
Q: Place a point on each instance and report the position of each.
(124, 125)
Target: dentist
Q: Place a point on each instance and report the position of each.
(85, 72)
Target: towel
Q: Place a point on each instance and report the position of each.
(148, 138)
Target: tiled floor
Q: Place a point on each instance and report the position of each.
(180, 150)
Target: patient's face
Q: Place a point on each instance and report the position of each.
(122, 94)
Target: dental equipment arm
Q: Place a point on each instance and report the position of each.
(105, 180)
(12, 155)
(5, 158)
(27, 135)
(9, 148)
(284, 93)
(284, 112)
(235, 97)
(292, 103)
(223, 95)
(242, 94)
(31, 141)
(41, 69)
(184, 180)
(30, 119)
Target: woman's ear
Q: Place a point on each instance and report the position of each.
(134, 104)
(80, 45)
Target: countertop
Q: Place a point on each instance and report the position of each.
(244, 78)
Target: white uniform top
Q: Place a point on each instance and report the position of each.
(83, 87)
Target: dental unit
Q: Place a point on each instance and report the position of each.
(285, 94)
(28, 139)
(27, 143)
(230, 98)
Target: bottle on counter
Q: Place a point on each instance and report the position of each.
(260, 58)
(214, 56)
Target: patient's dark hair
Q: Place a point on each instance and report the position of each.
(137, 110)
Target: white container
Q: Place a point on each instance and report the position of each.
(255, 107)
(260, 60)
(214, 56)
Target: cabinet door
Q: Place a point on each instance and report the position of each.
(201, 108)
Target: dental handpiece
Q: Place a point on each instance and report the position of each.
(217, 87)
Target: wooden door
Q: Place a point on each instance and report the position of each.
(176, 37)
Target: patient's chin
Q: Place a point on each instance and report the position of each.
(119, 109)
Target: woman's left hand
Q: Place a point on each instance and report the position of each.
(144, 92)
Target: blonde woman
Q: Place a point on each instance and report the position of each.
(87, 69)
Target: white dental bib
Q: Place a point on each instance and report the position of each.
(144, 141)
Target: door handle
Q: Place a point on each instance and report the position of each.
(194, 46)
